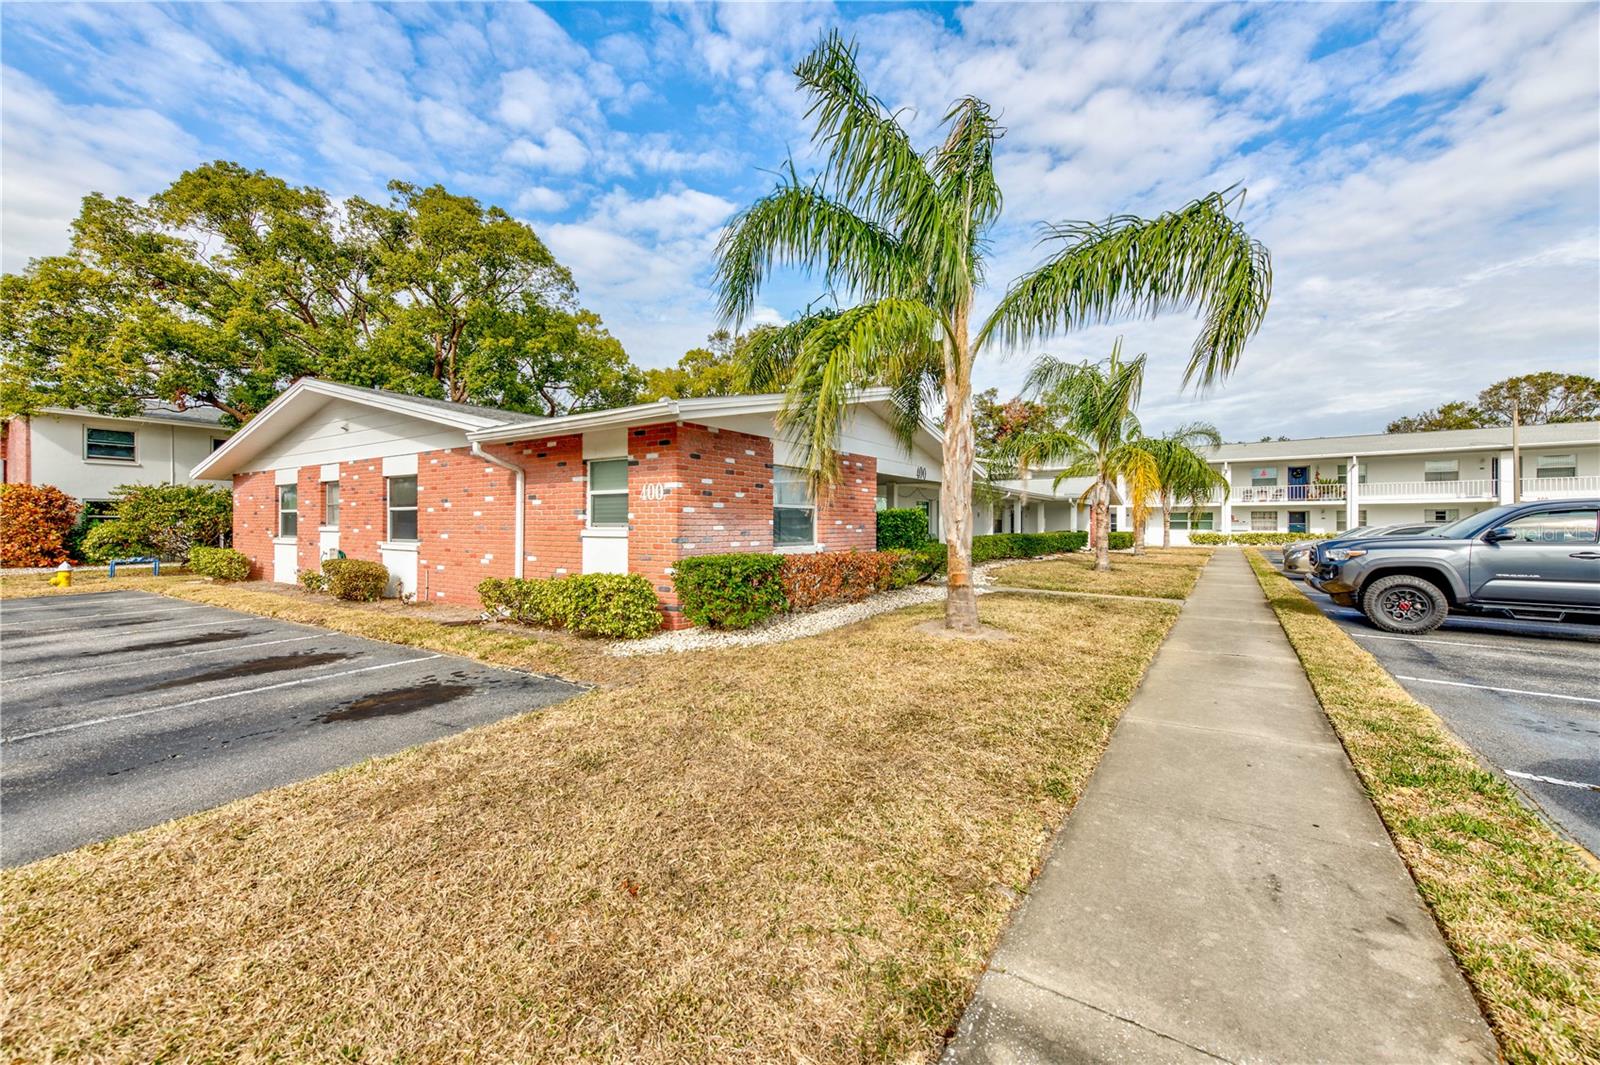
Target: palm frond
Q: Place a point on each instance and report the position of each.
(1196, 257)
(766, 360)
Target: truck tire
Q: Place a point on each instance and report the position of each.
(1404, 604)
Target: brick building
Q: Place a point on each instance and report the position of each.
(446, 494)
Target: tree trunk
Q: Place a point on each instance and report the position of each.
(955, 488)
(1166, 526)
(1102, 526)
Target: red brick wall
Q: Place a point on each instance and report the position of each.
(847, 520)
(308, 542)
(554, 493)
(255, 519)
(466, 511)
(363, 519)
(16, 449)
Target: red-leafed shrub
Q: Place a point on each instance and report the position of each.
(34, 523)
(848, 575)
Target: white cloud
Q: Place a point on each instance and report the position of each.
(560, 150)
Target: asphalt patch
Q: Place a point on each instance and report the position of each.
(171, 645)
(254, 668)
(398, 701)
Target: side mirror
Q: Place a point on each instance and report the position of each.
(1495, 536)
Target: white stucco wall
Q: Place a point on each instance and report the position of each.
(165, 452)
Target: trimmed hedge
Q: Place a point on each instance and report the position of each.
(1213, 539)
(902, 527)
(1119, 541)
(35, 521)
(730, 591)
(1027, 545)
(619, 605)
(166, 520)
(809, 580)
(313, 580)
(219, 563)
(355, 579)
(912, 567)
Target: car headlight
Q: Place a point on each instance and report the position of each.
(1342, 554)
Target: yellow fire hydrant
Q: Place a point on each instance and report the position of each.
(63, 577)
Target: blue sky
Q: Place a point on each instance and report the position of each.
(1426, 176)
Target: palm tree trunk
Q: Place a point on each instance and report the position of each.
(1102, 523)
(955, 489)
(1166, 524)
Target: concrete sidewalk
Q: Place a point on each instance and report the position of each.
(1224, 889)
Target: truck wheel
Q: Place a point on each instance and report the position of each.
(1404, 604)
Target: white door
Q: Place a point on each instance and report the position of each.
(401, 562)
(284, 568)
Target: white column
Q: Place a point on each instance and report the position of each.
(1072, 516)
(1016, 515)
(1225, 517)
(1352, 493)
(1508, 477)
(1122, 507)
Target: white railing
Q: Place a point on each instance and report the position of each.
(1289, 493)
(1560, 487)
(1483, 488)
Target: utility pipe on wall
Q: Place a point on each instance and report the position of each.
(519, 517)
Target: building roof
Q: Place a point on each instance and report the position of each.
(1495, 437)
(151, 410)
(470, 409)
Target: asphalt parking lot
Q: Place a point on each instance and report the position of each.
(125, 709)
(1523, 694)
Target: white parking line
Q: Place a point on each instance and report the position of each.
(74, 726)
(140, 613)
(1492, 688)
(1461, 643)
(1553, 780)
(180, 654)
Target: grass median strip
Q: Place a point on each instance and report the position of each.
(795, 851)
(1161, 573)
(1519, 905)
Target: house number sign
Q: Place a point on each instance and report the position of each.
(653, 492)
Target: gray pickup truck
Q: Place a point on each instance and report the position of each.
(1527, 560)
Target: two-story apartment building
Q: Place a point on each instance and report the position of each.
(1326, 484)
(87, 455)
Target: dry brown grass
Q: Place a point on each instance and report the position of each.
(1162, 572)
(1519, 905)
(793, 852)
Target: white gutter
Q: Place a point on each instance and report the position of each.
(519, 520)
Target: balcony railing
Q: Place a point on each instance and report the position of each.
(1481, 488)
(1290, 493)
(1560, 487)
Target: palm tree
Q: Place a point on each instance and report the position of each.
(1182, 473)
(1090, 430)
(903, 235)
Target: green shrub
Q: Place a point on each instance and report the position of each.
(1119, 541)
(219, 563)
(620, 605)
(35, 521)
(1213, 539)
(730, 591)
(165, 520)
(912, 567)
(812, 579)
(313, 580)
(902, 527)
(356, 579)
(1025, 545)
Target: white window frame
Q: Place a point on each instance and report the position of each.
(389, 510)
(133, 435)
(1268, 478)
(1450, 514)
(1546, 466)
(1441, 470)
(1180, 520)
(285, 489)
(591, 491)
(810, 507)
(1257, 517)
(326, 508)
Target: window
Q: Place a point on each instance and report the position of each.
(1361, 518)
(218, 441)
(1557, 527)
(1439, 517)
(608, 493)
(288, 509)
(1263, 521)
(98, 510)
(1557, 466)
(1299, 521)
(926, 506)
(108, 445)
(1441, 470)
(402, 508)
(1197, 520)
(1113, 524)
(794, 515)
(1339, 522)
(1264, 477)
(330, 504)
